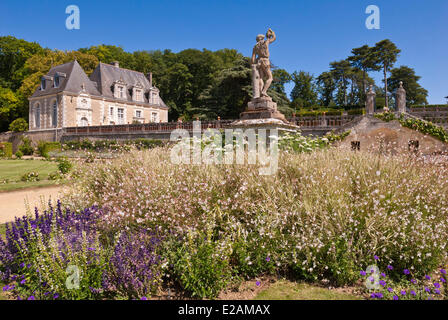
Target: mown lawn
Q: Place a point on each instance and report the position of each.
(286, 290)
(12, 170)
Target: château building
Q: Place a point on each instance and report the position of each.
(67, 97)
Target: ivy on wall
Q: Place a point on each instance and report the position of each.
(422, 126)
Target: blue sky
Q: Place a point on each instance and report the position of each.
(311, 33)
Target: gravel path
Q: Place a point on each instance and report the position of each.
(12, 203)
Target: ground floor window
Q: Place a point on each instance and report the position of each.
(154, 117)
(120, 115)
(54, 117)
(84, 122)
(37, 116)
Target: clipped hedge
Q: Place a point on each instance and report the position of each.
(101, 145)
(317, 113)
(6, 149)
(356, 112)
(43, 148)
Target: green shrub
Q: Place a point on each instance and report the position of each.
(317, 113)
(6, 149)
(86, 144)
(64, 165)
(54, 176)
(112, 145)
(19, 154)
(201, 266)
(71, 145)
(30, 177)
(252, 255)
(145, 143)
(43, 148)
(26, 147)
(356, 112)
(18, 125)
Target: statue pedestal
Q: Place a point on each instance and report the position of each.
(265, 123)
(262, 108)
(262, 113)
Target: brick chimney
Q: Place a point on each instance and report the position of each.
(116, 64)
(149, 76)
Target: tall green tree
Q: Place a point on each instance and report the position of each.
(281, 77)
(108, 54)
(13, 55)
(277, 91)
(363, 59)
(304, 93)
(326, 85)
(229, 92)
(341, 72)
(385, 54)
(415, 93)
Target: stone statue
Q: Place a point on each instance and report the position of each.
(261, 66)
(400, 99)
(261, 107)
(370, 101)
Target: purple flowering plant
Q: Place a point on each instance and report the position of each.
(407, 286)
(38, 249)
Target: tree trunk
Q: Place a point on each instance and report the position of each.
(351, 91)
(364, 87)
(385, 86)
(345, 90)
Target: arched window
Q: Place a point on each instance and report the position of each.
(37, 116)
(84, 122)
(54, 114)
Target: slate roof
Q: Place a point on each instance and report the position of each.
(99, 84)
(73, 81)
(105, 75)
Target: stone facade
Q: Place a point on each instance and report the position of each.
(112, 95)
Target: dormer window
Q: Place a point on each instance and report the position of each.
(42, 84)
(119, 89)
(154, 97)
(56, 81)
(138, 95)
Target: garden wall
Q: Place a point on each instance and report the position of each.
(16, 137)
(376, 135)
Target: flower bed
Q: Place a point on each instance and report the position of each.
(320, 217)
